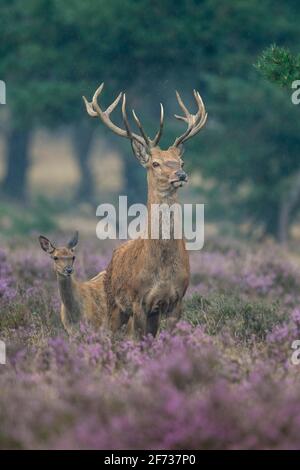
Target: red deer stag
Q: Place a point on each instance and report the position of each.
(149, 277)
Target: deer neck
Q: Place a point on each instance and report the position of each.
(156, 197)
(67, 289)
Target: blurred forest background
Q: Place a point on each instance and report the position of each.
(57, 164)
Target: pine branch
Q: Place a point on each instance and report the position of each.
(279, 65)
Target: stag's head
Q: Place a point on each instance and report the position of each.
(164, 167)
(63, 257)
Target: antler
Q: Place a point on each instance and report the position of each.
(154, 142)
(195, 122)
(94, 110)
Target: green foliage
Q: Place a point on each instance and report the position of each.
(279, 65)
(244, 318)
(15, 220)
(52, 52)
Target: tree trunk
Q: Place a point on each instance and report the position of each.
(18, 146)
(82, 143)
(288, 204)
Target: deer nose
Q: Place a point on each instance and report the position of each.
(69, 269)
(182, 176)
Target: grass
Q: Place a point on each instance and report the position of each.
(244, 318)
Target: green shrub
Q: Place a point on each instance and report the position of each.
(241, 316)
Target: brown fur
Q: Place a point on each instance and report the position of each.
(80, 300)
(147, 278)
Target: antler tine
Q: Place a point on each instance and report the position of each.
(130, 134)
(182, 105)
(188, 119)
(93, 108)
(89, 108)
(96, 94)
(115, 103)
(201, 108)
(125, 118)
(197, 128)
(154, 142)
(157, 138)
(180, 118)
(194, 121)
(202, 114)
(138, 122)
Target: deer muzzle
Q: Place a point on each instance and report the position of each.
(181, 179)
(182, 176)
(68, 270)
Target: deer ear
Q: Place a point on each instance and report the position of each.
(74, 240)
(46, 245)
(140, 151)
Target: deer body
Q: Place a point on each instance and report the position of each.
(149, 277)
(81, 301)
(143, 282)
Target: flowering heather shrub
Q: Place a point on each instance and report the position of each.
(266, 272)
(223, 379)
(178, 391)
(7, 280)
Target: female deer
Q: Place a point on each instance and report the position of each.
(149, 277)
(80, 300)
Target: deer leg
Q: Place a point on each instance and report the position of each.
(71, 326)
(174, 317)
(139, 324)
(130, 333)
(138, 321)
(115, 320)
(152, 321)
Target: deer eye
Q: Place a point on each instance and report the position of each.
(74, 258)
(182, 164)
(55, 258)
(155, 164)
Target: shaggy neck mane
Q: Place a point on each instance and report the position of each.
(162, 246)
